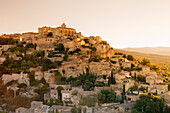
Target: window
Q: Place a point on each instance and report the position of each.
(50, 34)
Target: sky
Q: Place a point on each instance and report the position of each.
(122, 23)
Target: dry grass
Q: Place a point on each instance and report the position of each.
(155, 59)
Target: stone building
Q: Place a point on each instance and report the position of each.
(58, 31)
(66, 95)
(73, 68)
(30, 37)
(21, 78)
(153, 79)
(100, 68)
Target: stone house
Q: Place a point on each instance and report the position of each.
(115, 59)
(122, 75)
(49, 77)
(126, 64)
(36, 104)
(54, 94)
(73, 68)
(71, 44)
(166, 97)
(30, 37)
(99, 89)
(132, 98)
(161, 89)
(100, 68)
(154, 79)
(6, 47)
(39, 75)
(66, 95)
(61, 109)
(145, 68)
(95, 40)
(47, 97)
(47, 41)
(36, 107)
(55, 59)
(21, 78)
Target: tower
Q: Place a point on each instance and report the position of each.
(63, 25)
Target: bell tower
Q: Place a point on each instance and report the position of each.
(63, 25)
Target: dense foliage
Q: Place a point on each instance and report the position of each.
(107, 96)
(6, 41)
(149, 104)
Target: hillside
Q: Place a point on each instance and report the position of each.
(156, 59)
(153, 50)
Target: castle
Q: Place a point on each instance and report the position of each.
(47, 36)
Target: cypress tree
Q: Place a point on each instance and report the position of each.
(112, 77)
(113, 81)
(109, 81)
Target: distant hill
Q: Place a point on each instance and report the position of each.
(153, 50)
(155, 58)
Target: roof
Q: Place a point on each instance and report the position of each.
(53, 91)
(60, 107)
(65, 91)
(65, 28)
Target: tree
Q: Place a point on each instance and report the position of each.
(59, 88)
(113, 81)
(109, 81)
(87, 85)
(65, 57)
(89, 101)
(149, 104)
(46, 64)
(60, 47)
(124, 56)
(130, 57)
(167, 109)
(107, 96)
(145, 61)
(75, 110)
(104, 76)
(42, 80)
(141, 78)
(123, 93)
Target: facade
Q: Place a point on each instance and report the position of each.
(21, 78)
(66, 95)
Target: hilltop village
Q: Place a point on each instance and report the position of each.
(58, 70)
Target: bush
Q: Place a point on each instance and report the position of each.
(107, 96)
(6, 41)
(22, 85)
(89, 101)
(130, 57)
(65, 57)
(149, 104)
(60, 47)
(86, 40)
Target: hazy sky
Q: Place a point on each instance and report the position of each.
(122, 23)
